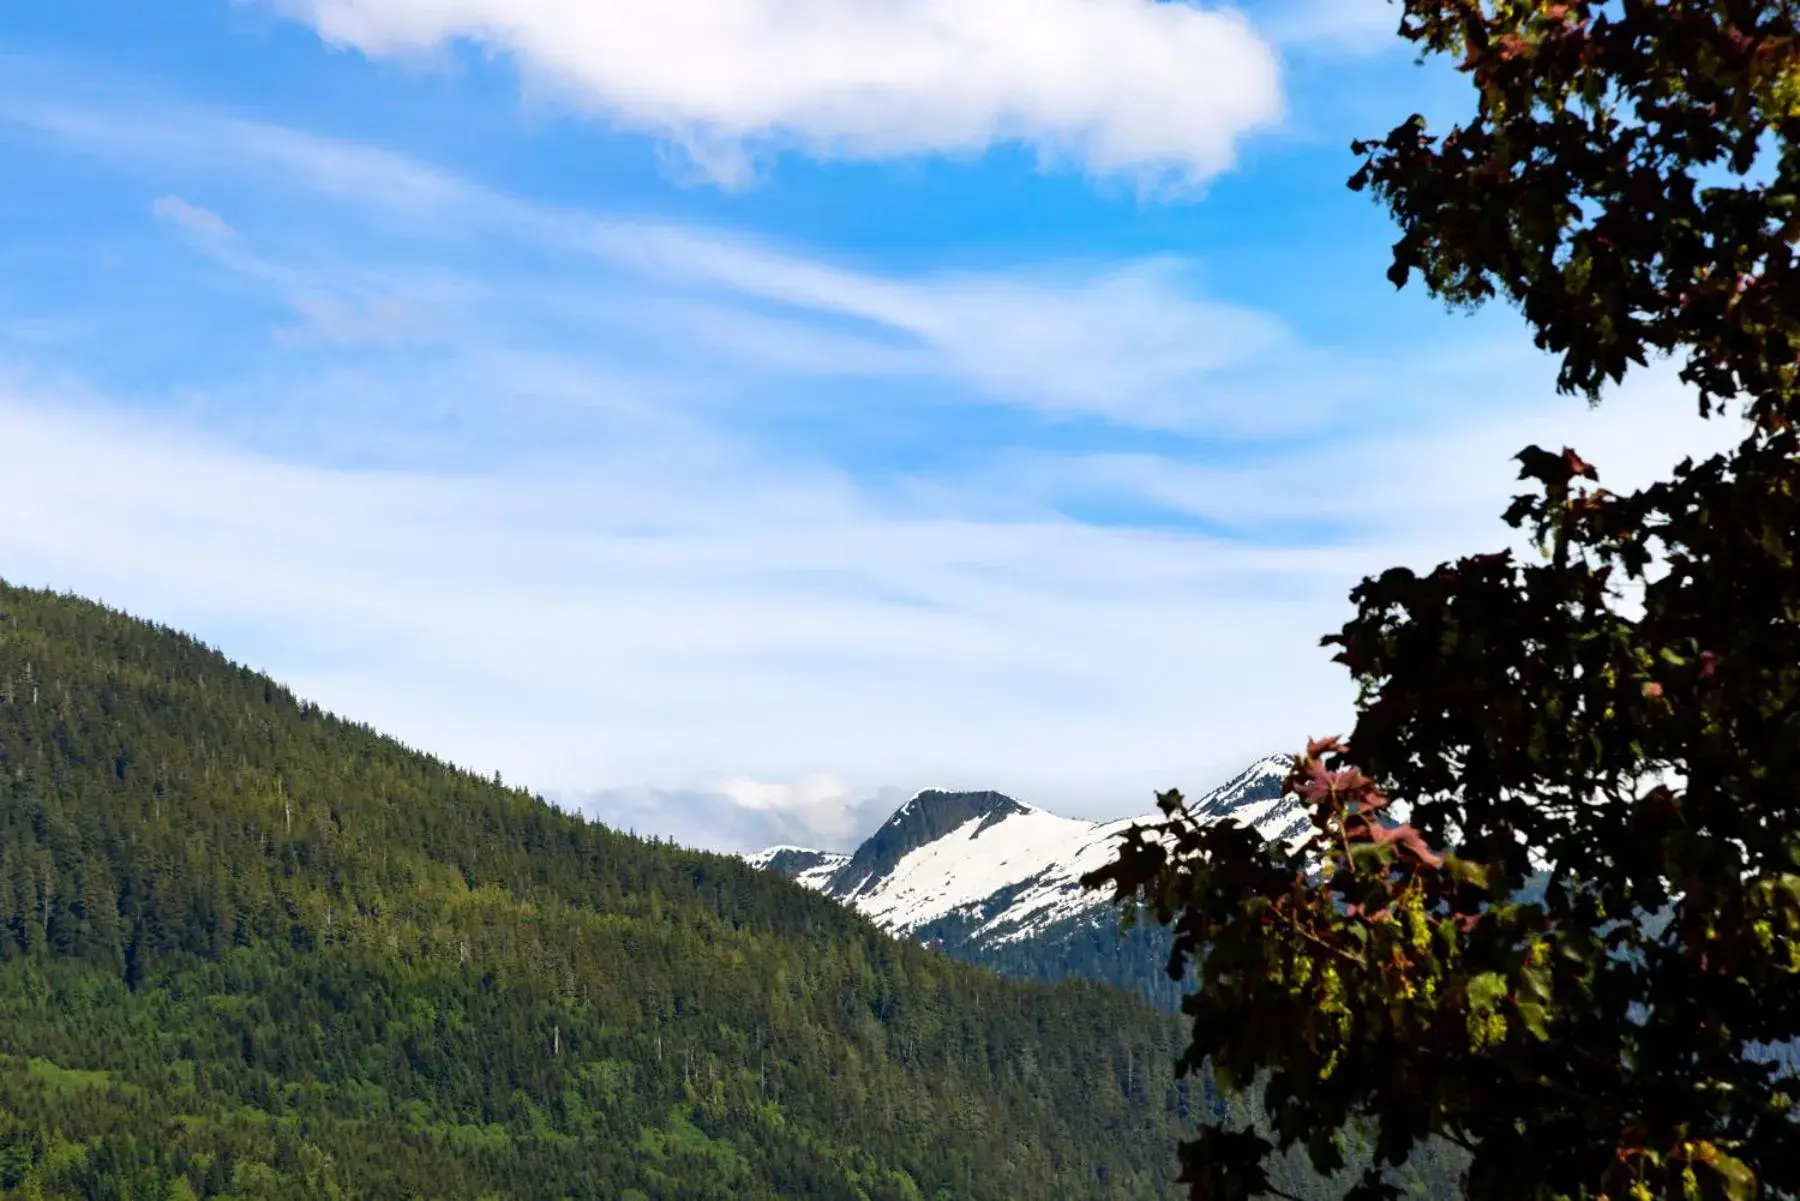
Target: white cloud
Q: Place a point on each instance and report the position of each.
(718, 819)
(203, 225)
(380, 321)
(1421, 493)
(1151, 91)
(141, 129)
(1135, 343)
(603, 619)
(817, 810)
(350, 308)
(774, 620)
(1129, 343)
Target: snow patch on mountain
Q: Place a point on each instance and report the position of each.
(968, 865)
(811, 868)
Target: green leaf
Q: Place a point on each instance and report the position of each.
(1735, 1178)
(1467, 871)
(1535, 1017)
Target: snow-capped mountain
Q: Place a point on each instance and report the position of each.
(992, 879)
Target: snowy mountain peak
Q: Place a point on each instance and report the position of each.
(1253, 798)
(983, 868)
(942, 810)
(989, 879)
(929, 816)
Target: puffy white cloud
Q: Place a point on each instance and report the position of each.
(1156, 92)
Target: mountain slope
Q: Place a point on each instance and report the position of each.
(994, 881)
(248, 949)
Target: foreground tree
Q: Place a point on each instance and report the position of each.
(1579, 957)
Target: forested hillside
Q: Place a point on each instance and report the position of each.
(249, 949)
(1088, 946)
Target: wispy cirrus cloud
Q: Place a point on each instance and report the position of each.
(723, 622)
(661, 612)
(1137, 343)
(1134, 343)
(1334, 26)
(1095, 83)
(383, 321)
(344, 307)
(203, 225)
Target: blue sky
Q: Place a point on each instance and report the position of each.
(729, 416)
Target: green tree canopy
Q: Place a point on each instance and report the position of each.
(1579, 956)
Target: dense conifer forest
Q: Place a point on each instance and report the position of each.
(249, 949)
(1088, 946)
